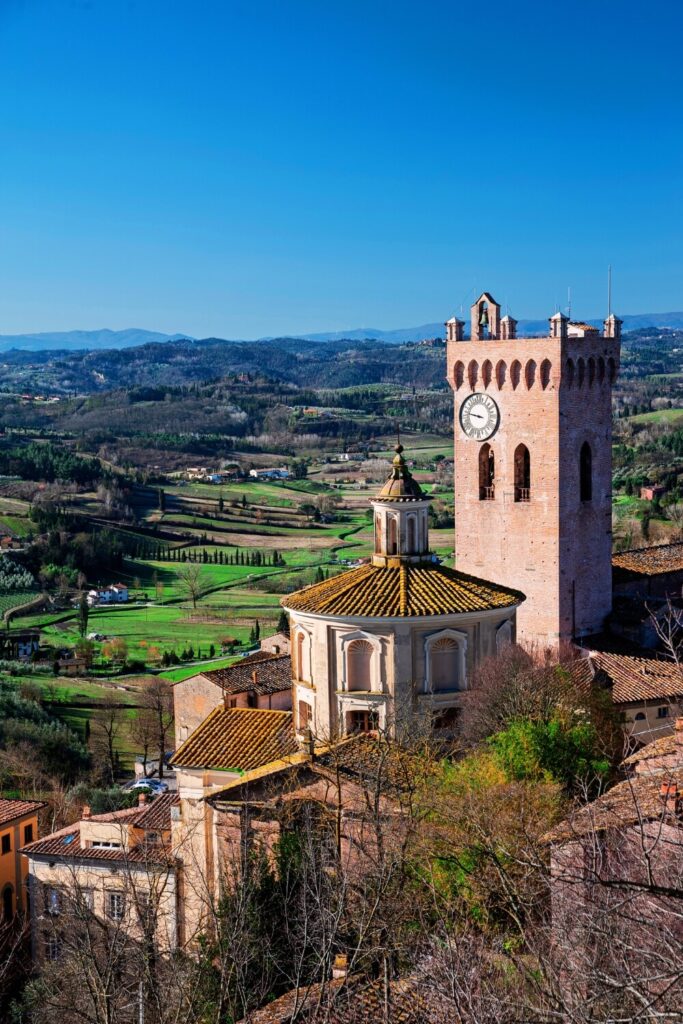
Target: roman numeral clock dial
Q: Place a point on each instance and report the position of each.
(479, 417)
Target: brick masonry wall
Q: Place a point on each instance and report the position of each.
(554, 548)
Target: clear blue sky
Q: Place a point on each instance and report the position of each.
(252, 168)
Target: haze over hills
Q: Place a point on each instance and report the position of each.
(105, 339)
(74, 341)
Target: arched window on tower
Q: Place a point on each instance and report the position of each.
(392, 544)
(444, 665)
(522, 473)
(412, 535)
(586, 472)
(359, 665)
(487, 473)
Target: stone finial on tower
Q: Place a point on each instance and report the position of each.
(613, 326)
(508, 327)
(485, 318)
(454, 329)
(558, 325)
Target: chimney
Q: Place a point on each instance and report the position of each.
(340, 966)
(668, 792)
(254, 677)
(308, 740)
(142, 799)
(678, 740)
(85, 814)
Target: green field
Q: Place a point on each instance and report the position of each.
(672, 417)
(161, 616)
(14, 600)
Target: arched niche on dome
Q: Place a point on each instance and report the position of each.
(301, 654)
(360, 660)
(445, 661)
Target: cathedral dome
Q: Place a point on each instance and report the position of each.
(403, 591)
(403, 580)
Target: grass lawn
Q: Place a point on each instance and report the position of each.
(176, 675)
(669, 416)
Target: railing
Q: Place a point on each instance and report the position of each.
(522, 493)
(487, 493)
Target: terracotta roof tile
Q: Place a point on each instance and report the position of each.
(273, 675)
(157, 814)
(661, 747)
(67, 841)
(238, 739)
(405, 591)
(652, 561)
(358, 1001)
(637, 678)
(12, 809)
(637, 799)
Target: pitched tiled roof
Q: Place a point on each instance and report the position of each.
(263, 675)
(582, 326)
(661, 747)
(67, 841)
(358, 1001)
(157, 814)
(637, 799)
(404, 591)
(648, 561)
(12, 809)
(238, 739)
(637, 678)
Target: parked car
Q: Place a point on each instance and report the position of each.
(156, 785)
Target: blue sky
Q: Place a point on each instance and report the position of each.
(252, 168)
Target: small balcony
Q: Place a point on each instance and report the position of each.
(487, 493)
(522, 494)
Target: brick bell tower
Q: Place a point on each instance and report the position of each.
(533, 465)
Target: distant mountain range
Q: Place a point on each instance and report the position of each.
(74, 341)
(525, 328)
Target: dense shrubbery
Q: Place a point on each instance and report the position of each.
(563, 750)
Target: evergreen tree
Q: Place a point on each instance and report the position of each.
(83, 612)
(283, 622)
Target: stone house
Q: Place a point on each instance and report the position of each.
(646, 690)
(322, 790)
(261, 680)
(116, 866)
(115, 593)
(228, 745)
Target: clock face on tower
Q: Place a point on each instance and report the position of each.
(479, 417)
